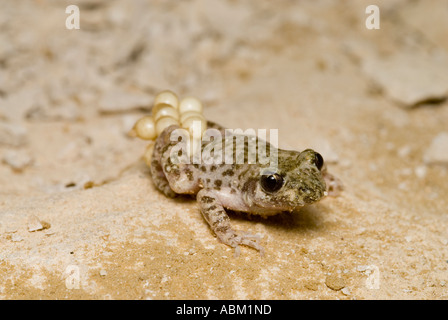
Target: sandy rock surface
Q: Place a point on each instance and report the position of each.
(81, 219)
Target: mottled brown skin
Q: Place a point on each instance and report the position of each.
(239, 186)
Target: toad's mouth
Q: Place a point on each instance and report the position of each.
(311, 196)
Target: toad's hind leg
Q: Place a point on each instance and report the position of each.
(161, 146)
(219, 221)
(170, 168)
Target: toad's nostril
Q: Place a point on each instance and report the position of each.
(312, 192)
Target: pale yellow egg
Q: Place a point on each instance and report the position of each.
(191, 114)
(164, 123)
(190, 104)
(144, 128)
(196, 126)
(166, 111)
(167, 97)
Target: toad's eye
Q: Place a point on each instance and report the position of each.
(312, 157)
(318, 160)
(271, 182)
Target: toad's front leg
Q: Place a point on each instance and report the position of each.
(216, 216)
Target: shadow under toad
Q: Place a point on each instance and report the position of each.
(308, 218)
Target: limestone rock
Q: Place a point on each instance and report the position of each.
(437, 152)
(114, 101)
(410, 78)
(12, 134)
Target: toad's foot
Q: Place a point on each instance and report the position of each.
(334, 184)
(219, 221)
(237, 238)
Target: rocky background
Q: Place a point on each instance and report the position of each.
(81, 219)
